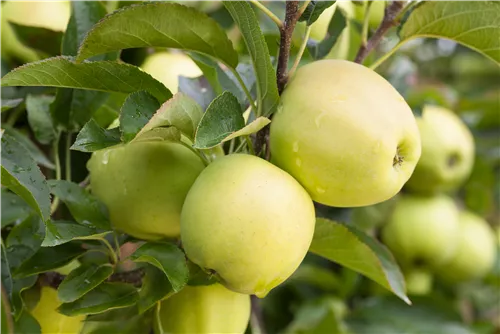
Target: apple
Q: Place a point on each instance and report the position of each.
(345, 134)
(475, 253)
(204, 309)
(422, 232)
(376, 14)
(447, 152)
(248, 222)
(50, 320)
(166, 67)
(143, 185)
(418, 281)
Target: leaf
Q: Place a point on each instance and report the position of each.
(93, 138)
(104, 76)
(335, 28)
(7, 282)
(222, 118)
(14, 208)
(27, 324)
(253, 127)
(267, 90)
(198, 277)
(39, 118)
(357, 251)
(166, 257)
(41, 39)
(474, 24)
(314, 10)
(82, 280)
(10, 103)
(49, 258)
(22, 176)
(105, 296)
(159, 25)
(155, 287)
(84, 207)
(136, 111)
(180, 111)
(34, 151)
(61, 232)
(29, 233)
(160, 134)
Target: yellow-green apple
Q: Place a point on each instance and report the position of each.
(166, 67)
(447, 152)
(143, 185)
(204, 309)
(422, 231)
(475, 253)
(345, 134)
(418, 281)
(374, 17)
(50, 320)
(248, 222)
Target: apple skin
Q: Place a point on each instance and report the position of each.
(166, 67)
(447, 152)
(345, 134)
(418, 281)
(144, 185)
(249, 222)
(204, 309)
(376, 13)
(422, 231)
(51, 321)
(475, 253)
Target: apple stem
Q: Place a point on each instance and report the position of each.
(390, 19)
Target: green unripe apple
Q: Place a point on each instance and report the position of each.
(376, 14)
(247, 221)
(475, 253)
(418, 281)
(345, 134)
(422, 231)
(144, 185)
(50, 320)
(204, 309)
(166, 67)
(447, 152)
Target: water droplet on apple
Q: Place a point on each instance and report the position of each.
(105, 158)
(298, 162)
(296, 146)
(320, 190)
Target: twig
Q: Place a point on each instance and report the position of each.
(256, 320)
(57, 161)
(266, 11)
(7, 311)
(389, 20)
(303, 8)
(366, 23)
(286, 32)
(68, 156)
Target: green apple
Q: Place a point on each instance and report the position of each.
(166, 67)
(475, 253)
(345, 134)
(144, 185)
(447, 152)
(422, 231)
(248, 222)
(50, 320)
(376, 14)
(204, 309)
(418, 281)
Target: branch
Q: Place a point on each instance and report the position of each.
(291, 17)
(389, 20)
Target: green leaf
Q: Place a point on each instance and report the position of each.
(160, 134)
(40, 39)
(10, 103)
(335, 28)
(166, 257)
(26, 324)
(159, 25)
(6, 275)
(34, 151)
(39, 118)
(14, 208)
(49, 258)
(104, 76)
(135, 113)
(357, 251)
(29, 234)
(314, 10)
(124, 321)
(267, 89)
(22, 176)
(82, 280)
(199, 277)
(93, 138)
(181, 111)
(155, 287)
(105, 296)
(222, 118)
(84, 207)
(249, 129)
(61, 232)
(475, 24)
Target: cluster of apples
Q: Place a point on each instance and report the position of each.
(426, 230)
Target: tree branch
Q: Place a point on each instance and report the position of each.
(390, 14)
